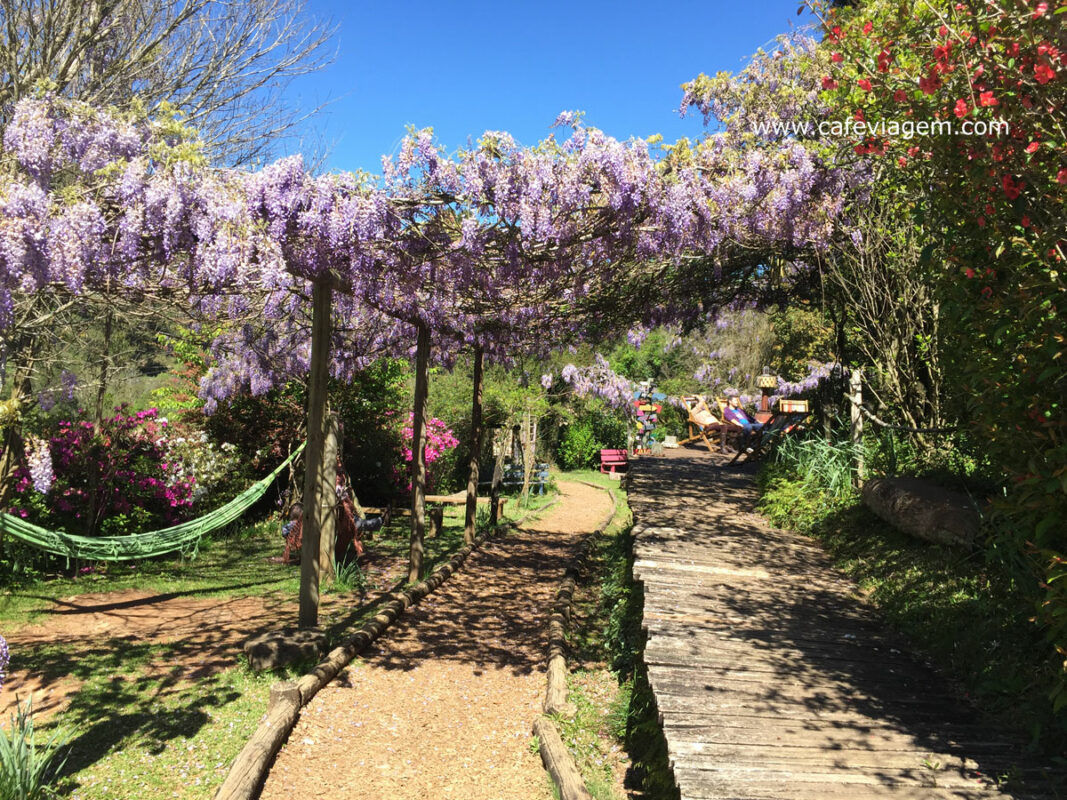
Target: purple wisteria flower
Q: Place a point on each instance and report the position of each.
(39, 461)
(5, 659)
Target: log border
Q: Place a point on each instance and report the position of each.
(247, 774)
(556, 758)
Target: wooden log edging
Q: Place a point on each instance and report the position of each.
(557, 759)
(249, 770)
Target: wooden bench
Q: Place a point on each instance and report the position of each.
(512, 478)
(610, 459)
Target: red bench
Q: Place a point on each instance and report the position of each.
(610, 459)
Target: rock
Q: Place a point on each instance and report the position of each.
(924, 510)
(279, 648)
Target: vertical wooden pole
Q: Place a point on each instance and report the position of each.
(328, 517)
(319, 478)
(494, 492)
(418, 455)
(471, 515)
(855, 382)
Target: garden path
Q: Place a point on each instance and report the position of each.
(771, 676)
(442, 705)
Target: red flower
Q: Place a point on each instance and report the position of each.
(981, 222)
(883, 61)
(1061, 176)
(828, 82)
(1012, 188)
(986, 99)
(1044, 73)
(1041, 9)
(900, 95)
(837, 58)
(942, 31)
(835, 33)
(1026, 221)
(868, 28)
(930, 84)
(969, 272)
(858, 116)
(864, 84)
(961, 108)
(1033, 147)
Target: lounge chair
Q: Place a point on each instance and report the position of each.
(704, 424)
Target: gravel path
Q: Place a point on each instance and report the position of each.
(442, 706)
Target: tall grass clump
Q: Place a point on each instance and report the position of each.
(27, 769)
(809, 479)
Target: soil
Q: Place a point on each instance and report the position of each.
(442, 707)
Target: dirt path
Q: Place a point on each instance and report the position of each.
(442, 707)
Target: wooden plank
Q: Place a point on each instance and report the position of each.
(784, 778)
(815, 709)
(698, 785)
(800, 757)
(773, 733)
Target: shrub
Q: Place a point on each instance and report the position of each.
(116, 477)
(809, 479)
(578, 446)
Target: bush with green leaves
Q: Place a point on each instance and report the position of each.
(593, 429)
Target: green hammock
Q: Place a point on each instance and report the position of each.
(140, 545)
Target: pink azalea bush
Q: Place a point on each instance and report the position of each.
(439, 442)
(113, 479)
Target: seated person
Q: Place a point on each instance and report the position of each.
(736, 415)
(702, 415)
(351, 524)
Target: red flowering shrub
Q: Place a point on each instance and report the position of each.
(995, 207)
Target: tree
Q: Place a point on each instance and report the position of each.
(222, 65)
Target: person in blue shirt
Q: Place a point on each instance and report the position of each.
(736, 415)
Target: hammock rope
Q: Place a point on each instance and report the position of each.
(139, 545)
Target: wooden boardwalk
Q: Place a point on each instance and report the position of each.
(772, 679)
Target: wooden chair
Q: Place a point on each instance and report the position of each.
(703, 423)
(790, 416)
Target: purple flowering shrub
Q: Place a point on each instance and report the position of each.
(116, 479)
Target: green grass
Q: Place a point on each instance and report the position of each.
(616, 726)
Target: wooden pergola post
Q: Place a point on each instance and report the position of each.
(418, 453)
(319, 474)
(855, 385)
(471, 516)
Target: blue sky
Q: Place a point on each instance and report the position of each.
(463, 68)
